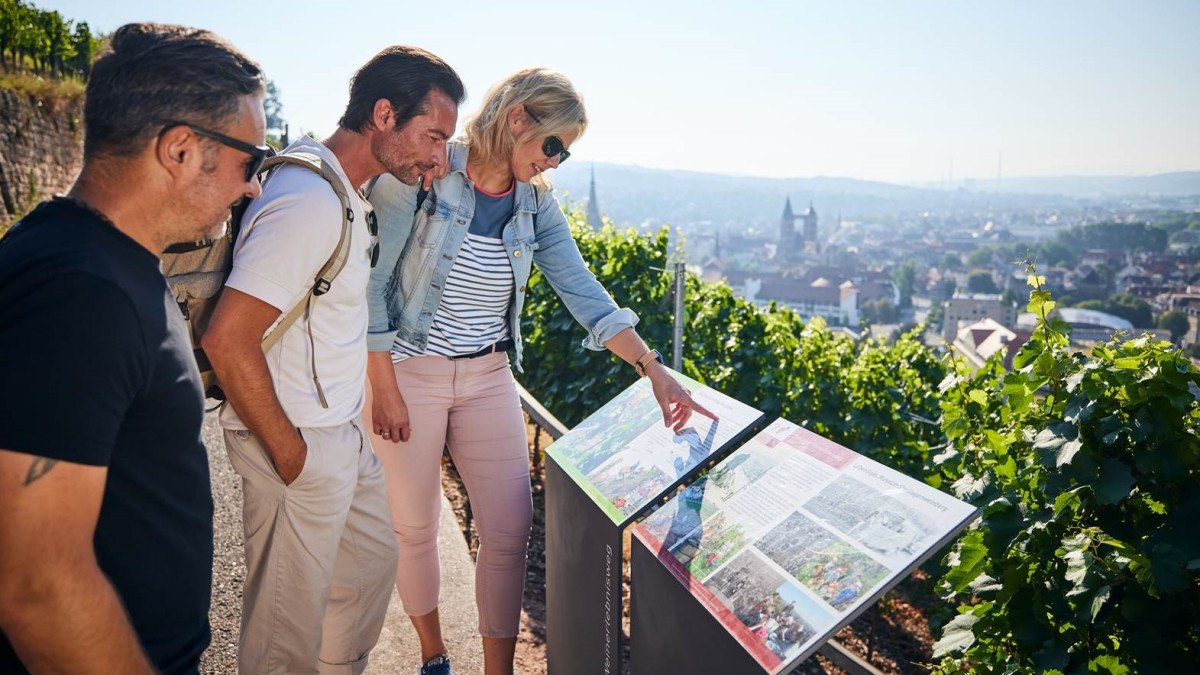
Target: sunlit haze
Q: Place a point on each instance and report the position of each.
(901, 92)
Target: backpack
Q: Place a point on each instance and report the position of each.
(196, 271)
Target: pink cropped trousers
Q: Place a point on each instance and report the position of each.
(472, 407)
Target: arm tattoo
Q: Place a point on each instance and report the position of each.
(40, 467)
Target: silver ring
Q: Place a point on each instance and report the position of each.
(386, 434)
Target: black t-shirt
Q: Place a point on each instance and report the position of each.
(96, 368)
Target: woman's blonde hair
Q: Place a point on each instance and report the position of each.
(546, 93)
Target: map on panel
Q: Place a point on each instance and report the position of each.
(792, 535)
(623, 456)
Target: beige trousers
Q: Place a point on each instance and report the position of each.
(320, 555)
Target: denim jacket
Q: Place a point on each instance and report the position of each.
(417, 251)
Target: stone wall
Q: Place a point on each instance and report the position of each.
(41, 151)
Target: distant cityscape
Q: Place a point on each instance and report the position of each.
(878, 260)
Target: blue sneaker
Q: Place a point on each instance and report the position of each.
(438, 665)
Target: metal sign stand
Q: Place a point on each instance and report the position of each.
(677, 257)
(584, 569)
(585, 565)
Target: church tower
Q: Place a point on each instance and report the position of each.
(810, 224)
(593, 207)
(787, 227)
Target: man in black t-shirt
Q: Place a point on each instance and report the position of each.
(105, 504)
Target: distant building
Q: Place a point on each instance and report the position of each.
(595, 221)
(1188, 303)
(972, 307)
(837, 304)
(793, 242)
(1114, 259)
(1087, 283)
(787, 227)
(712, 270)
(1089, 325)
(979, 341)
(810, 224)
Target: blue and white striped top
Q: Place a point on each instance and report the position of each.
(473, 312)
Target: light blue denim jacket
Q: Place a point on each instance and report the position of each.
(417, 252)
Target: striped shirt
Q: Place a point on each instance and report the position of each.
(476, 299)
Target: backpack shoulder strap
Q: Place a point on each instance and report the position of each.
(337, 260)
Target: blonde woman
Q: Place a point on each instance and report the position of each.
(445, 304)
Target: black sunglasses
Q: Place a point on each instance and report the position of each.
(258, 153)
(373, 229)
(553, 145)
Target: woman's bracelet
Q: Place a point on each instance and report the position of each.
(641, 367)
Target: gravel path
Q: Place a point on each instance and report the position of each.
(397, 650)
(900, 621)
(229, 566)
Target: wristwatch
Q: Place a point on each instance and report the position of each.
(640, 364)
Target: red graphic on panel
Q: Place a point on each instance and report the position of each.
(752, 643)
(820, 448)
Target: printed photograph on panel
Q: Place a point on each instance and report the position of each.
(610, 429)
(679, 517)
(629, 485)
(625, 457)
(776, 612)
(689, 448)
(834, 570)
(739, 471)
(878, 522)
(710, 546)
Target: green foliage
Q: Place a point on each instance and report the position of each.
(937, 314)
(48, 91)
(85, 46)
(1052, 253)
(1129, 307)
(905, 276)
(878, 311)
(1178, 221)
(1174, 321)
(981, 281)
(981, 257)
(44, 41)
(1085, 468)
(950, 261)
(1115, 236)
(1064, 249)
(876, 398)
(946, 287)
(273, 109)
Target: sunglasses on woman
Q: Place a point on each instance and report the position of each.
(258, 153)
(553, 145)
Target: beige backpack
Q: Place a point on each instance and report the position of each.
(196, 271)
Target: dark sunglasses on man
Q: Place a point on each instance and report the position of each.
(553, 145)
(373, 230)
(258, 153)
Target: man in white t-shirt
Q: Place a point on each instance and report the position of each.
(320, 548)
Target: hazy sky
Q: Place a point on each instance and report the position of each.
(894, 91)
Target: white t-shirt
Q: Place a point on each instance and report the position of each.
(296, 226)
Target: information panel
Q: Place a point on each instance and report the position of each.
(790, 537)
(600, 477)
(624, 458)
